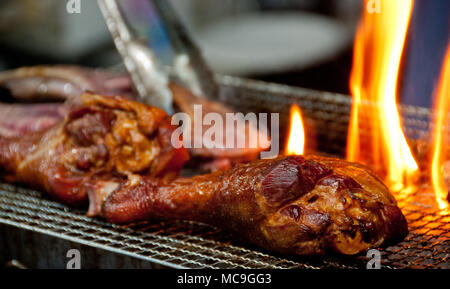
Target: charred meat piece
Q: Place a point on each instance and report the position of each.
(102, 138)
(293, 205)
(19, 119)
(62, 82)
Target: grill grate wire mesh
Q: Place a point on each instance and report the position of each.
(183, 244)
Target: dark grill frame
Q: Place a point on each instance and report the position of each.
(183, 244)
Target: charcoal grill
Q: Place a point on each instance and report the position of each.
(37, 231)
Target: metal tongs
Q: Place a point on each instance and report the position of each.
(149, 78)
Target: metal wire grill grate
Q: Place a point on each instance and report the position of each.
(185, 244)
(173, 244)
(428, 244)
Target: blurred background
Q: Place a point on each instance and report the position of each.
(304, 43)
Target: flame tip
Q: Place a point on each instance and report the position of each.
(296, 137)
(440, 135)
(376, 64)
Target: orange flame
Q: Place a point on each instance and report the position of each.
(296, 137)
(378, 50)
(440, 135)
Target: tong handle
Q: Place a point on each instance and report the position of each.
(189, 63)
(149, 79)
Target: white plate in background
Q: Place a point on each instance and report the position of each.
(261, 43)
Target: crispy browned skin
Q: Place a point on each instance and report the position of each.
(102, 138)
(294, 205)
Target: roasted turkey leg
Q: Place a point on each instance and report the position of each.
(100, 139)
(296, 205)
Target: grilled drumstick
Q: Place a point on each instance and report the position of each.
(297, 205)
(102, 138)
